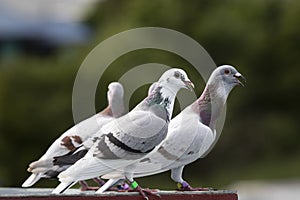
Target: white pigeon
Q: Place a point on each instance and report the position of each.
(121, 143)
(75, 136)
(191, 133)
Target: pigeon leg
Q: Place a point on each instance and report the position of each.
(114, 185)
(182, 185)
(86, 187)
(143, 191)
(99, 181)
(123, 187)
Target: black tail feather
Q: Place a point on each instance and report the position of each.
(71, 157)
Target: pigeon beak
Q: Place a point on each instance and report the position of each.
(240, 77)
(189, 85)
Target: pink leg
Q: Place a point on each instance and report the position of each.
(86, 187)
(184, 186)
(99, 181)
(143, 191)
(123, 187)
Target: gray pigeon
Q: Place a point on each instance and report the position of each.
(121, 143)
(75, 136)
(191, 133)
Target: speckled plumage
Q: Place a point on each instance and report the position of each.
(54, 160)
(120, 143)
(191, 134)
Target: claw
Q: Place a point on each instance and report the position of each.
(123, 187)
(184, 186)
(99, 181)
(86, 187)
(194, 189)
(144, 192)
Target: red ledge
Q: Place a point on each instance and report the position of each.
(74, 194)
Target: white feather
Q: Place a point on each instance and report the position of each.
(89, 167)
(62, 187)
(107, 185)
(146, 120)
(85, 129)
(188, 138)
(32, 179)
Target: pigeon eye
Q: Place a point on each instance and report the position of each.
(226, 71)
(177, 74)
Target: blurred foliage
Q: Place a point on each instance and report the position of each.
(261, 38)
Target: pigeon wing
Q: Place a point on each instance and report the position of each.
(117, 145)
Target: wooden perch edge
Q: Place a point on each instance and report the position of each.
(74, 194)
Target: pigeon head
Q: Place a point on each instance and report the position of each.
(212, 101)
(115, 90)
(176, 79)
(115, 96)
(228, 76)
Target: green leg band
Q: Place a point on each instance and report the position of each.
(134, 185)
(179, 185)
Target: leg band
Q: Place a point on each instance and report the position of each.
(134, 185)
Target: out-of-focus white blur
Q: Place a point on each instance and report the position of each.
(49, 10)
(51, 23)
(267, 190)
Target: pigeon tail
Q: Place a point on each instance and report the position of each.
(62, 187)
(71, 157)
(32, 179)
(40, 164)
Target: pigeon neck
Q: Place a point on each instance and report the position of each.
(169, 94)
(164, 97)
(116, 106)
(210, 104)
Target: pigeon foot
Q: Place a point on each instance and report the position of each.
(145, 192)
(86, 187)
(184, 186)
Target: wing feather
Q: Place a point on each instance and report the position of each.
(90, 166)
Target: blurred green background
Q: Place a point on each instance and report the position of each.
(261, 39)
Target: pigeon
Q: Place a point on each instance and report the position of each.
(191, 133)
(70, 158)
(122, 142)
(75, 136)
